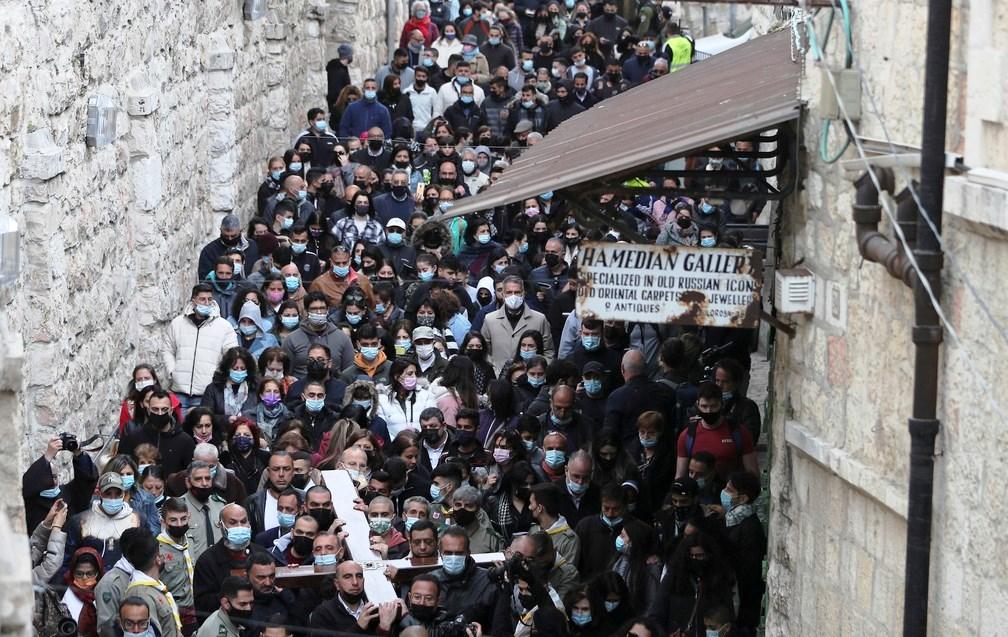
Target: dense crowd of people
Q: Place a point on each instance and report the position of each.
(442, 365)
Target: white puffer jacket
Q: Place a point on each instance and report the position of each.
(192, 352)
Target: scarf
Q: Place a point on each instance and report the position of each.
(422, 24)
(551, 474)
(87, 622)
(738, 513)
(166, 539)
(234, 398)
(268, 417)
(142, 579)
(504, 516)
(370, 367)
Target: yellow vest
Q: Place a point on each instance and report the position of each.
(680, 52)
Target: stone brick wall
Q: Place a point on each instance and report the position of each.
(110, 235)
(842, 386)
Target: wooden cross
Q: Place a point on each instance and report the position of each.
(377, 585)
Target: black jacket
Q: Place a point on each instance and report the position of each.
(212, 567)
(471, 593)
(213, 399)
(628, 402)
(598, 543)
(332, 616)
(561, 111)
(282, 603)
(175, 446)
(748, 547)
(610, 359)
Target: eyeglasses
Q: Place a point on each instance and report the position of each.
(131, 626)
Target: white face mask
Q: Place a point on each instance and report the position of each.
(514, 302)
(425, 352)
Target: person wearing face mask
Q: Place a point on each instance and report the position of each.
(101, 526)
(544, 504)
(318, 136)
(275, 169)
(386, 540)
(470, 516)
(364, 113)
(232, 609)
(609, 25)
(681, 229)
(612, 83)
(730, 376)
(701, 470)
(178, 562)
(370, 362)
(253, 331)
(653, 453)
(163, 431)
(230, 237)
(226, 557)
(502, 328)
(467, 71)
(529, 106)
(404, 399)
(465, 112)
(710, 430)
(636, 69)
(375, 154)
(292, 196)
(467, 588)
(420, 19)
(396, 250)
(680, 506)
(361, 225)
(747, 543)
(396, 204)
(719, 621)
(142, 502)
(85, 569)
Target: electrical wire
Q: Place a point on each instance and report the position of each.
(905, 174)
(962, 349)
(819, 54)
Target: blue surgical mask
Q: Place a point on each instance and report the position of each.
(395, 238)
(370, 95)
(320, 125)
(292, 282)
(112, 505)
(428, 62)
(50, 493)
(726, 500)
(213, 472)
(314, 405)
(536, 382)
(147, 633)
(555, 458)
(354, 319)
(611, 606)
(466, 99)
(409, 521)
(379, 308)
(445, 206)
(590, 342)
(275, 175)
(238, 376)
(239, 536)
(204, 310)
(529, 444)
(286, 520)
(710, 632)
(493, 41)
(287, 223)
(727, 395)
(483, 238)
(523, 247)
(467, 11)
(247, 330)
(302, 195)
(298, 248)
(369, 354)
(325, 560)
(341, 271)
(435, 493)
(708, 242)
(546, 196)
(592, 386)
(290, 322)
(425, 275)
(462, 79)
(402, 345)
(620, 543)
(527, 66)
(527, 103)
(294, 166)
(575, 488)
(453, 564)
(366, 404)
(581, 619)
(647, 442)
(527, 354)
(611, 522)
(128, 481)
(706, 208)
(499, 268)
(560, 421)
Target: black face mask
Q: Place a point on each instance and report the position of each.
(572, 241)
(305, 156)
(540, 237)
(475, 355)
(465, 438)
(711, 417)
(684, 222)
(375, 144)
(431, 436)
(352, 599)
(326, 188)
(369, 495)
(698, 567)
(300, 480)
(316, 369)
(400, 191)
(302, 545)
(177, 532)
(551, 260)
(423, 614)
(614, 76)
(239, 616)
(230, 242)
(200, 493)
(463, 517)
(324, 517)
(158, 421)
(360, 183)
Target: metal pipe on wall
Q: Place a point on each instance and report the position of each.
(872, 244)
(927, 331)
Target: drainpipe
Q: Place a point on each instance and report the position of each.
(872, 244)
(927, 331)
(906, 216)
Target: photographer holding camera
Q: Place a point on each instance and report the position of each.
(424, 611)
(39, 486)
(525, 581)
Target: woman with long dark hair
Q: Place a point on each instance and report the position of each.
(474, 346)
(233, 388)
(508, 508)
(502, 413)
(695, 578)
(631, 562)
(456, 389)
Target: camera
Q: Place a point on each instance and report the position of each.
(66, 626)
(69, 444)
(457, 627)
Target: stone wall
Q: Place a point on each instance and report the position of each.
(110, 234)
(842, 386)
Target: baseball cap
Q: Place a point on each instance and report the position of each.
(685, 486)
(593, 367)
(423, 332)
(396, 222)
(110, 480)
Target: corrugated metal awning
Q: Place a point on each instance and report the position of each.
(726, 97)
